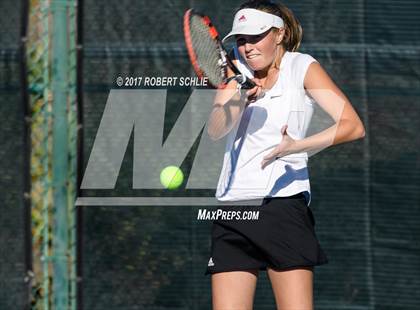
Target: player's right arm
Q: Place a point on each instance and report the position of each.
(228, 106)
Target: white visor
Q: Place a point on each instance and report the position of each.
(253, 22)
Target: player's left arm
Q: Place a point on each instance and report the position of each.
(327, 94)
(347, 124)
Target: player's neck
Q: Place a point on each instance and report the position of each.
(273, 68)
(271, 72)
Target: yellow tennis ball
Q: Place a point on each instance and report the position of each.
(171, 177)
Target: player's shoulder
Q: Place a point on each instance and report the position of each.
(298, 58)
(299, 63)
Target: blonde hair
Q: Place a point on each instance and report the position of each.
(293, 30)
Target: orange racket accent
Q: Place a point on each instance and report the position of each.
(207, 21)
(213, 33)
(188, 44)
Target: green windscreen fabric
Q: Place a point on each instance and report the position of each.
(365, 194)
(13, 289)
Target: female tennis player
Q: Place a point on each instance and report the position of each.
(266, 158)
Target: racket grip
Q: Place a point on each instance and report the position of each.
(245, 82)
(248, 84)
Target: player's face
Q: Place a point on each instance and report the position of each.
(259, 51)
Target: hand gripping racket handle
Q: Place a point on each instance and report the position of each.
(245, 82)
(242, 80)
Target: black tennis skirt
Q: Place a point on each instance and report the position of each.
(282, 237)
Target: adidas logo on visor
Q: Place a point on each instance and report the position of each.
(242, 18)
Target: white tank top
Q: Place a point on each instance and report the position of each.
(258, 132)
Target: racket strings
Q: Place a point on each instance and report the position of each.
(207, 51)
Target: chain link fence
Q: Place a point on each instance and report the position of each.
(46, 227)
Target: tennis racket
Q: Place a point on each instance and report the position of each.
(207, 54)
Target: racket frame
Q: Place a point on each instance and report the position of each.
(224, 60)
